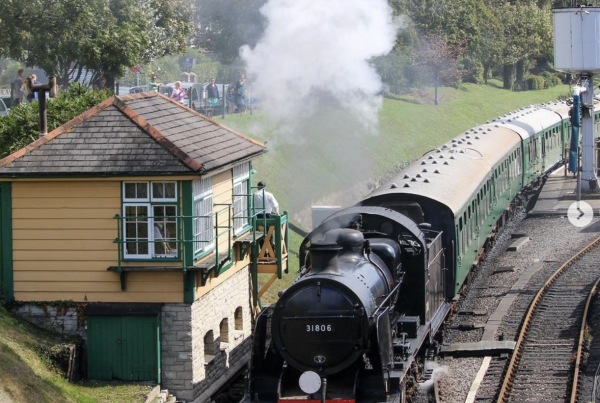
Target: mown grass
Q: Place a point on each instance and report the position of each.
(26, 378)
(407, 129)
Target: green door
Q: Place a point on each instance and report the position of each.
(123, 347)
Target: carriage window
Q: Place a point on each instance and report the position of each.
(461, 235)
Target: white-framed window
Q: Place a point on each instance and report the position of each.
(150, 219)
(164, 191)
(241, 198)
(203, 206)
(135, 191)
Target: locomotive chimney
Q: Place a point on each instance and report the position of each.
(324, 256)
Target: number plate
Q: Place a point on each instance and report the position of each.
(319, 328)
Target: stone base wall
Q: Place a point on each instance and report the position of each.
(60, 319)
(191, 368)
(176, 349)
(211, 371)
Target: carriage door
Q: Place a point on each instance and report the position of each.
(435, 279)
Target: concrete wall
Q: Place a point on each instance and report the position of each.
(58, 319)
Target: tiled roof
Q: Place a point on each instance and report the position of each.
(138, 134)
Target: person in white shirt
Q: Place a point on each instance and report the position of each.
(265, 201)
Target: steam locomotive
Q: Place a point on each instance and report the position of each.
(376, 278)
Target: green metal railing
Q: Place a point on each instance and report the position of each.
(185, 259)
(181, 222)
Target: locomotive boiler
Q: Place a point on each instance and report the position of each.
(346, 329)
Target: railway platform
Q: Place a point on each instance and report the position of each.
(558, 194)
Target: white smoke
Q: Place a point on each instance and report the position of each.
(311, 48)
(311, 76)
(439, 371)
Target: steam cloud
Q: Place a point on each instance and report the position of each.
(311, 76)
(439, 371)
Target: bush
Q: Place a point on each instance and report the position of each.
(534, 83)
(550, 79)
(563, 77)
(474, 70)
(21, 126)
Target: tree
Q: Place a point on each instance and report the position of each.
(527, 33)
(440, 60)
(489, 51)
(223, 26)
(21, 126)
(101, 35)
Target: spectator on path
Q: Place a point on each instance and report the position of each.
(178, 92)
(265, 202)
(212, 93)
(152, 84)
(240, 94)
(100, 83)
(17, 84)
(31, 95)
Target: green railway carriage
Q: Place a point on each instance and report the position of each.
(465, 186)
(461, 188)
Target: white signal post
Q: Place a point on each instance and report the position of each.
(577, 51)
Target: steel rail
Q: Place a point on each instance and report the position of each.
(516, 356)
(577, 368)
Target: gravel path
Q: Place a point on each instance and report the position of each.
(552, 241)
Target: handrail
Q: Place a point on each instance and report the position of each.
(183, 238)
(181, 222)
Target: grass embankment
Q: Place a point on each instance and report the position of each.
(26, 377)
(407, 130)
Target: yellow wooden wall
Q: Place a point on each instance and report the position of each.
(63, 234)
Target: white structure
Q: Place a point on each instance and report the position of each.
(320, 213)
(577, 51)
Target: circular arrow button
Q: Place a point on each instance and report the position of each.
(580, 214)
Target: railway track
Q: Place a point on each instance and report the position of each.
(545, 364)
